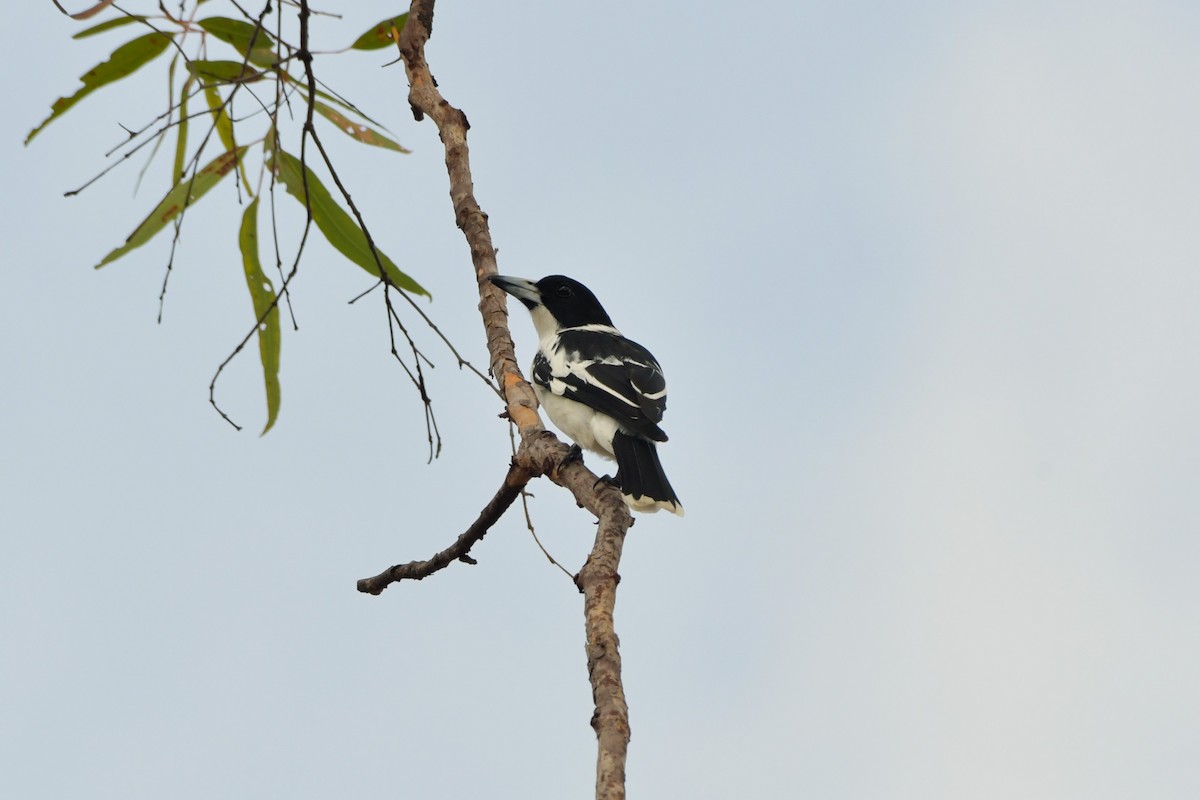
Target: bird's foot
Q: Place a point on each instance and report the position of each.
(607, 480)
(574, 454)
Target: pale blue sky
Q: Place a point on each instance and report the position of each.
(923, 279)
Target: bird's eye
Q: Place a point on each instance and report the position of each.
(564, 291)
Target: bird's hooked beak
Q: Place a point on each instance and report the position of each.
(525, 291)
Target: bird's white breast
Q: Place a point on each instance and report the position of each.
(587, 428)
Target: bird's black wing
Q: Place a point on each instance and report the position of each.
(607, 372)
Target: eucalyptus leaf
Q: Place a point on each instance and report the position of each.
(182, 138)
(266, 310)
(124, 61)
(253, 42)
(90, 12)
(223, 71)
(107, 25)
(223, 124)
(360, 132)
(221, 120)
(184, 194)
(337, 226)
(380, 34)
(162, 134)
(332, 98)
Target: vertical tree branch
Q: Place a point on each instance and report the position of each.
(598, 581)
(540, 451)
(452, 125)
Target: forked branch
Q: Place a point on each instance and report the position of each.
(540, 452)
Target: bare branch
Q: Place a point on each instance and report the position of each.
(598, 581)
(509, 491)
(540, 451)
(452, 125)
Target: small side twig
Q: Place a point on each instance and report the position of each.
(510, 490)
(418, 379)
(529, 524)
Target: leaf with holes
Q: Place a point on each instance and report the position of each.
(361, 132)
(380, 35)
(184, 194)
(266, 310)
(124, 61)
(337, 226)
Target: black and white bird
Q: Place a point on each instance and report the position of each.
(606, 392)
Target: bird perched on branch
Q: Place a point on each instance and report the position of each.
(605, 392)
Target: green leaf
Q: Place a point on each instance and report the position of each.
(107, 26)
(221, 120)
(338, 227)
(181, 141)
(124, 61)
(380, 35)
(251, 41)
(223, 71)
(266, 310)
(344, 103)
(162, 134)
(176, 201)
(340, 101)
(223, 124)
(361, 132)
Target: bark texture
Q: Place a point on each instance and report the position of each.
(540, 452)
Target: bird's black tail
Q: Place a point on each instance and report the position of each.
(640, 475)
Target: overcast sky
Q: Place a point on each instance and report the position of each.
(923, 279)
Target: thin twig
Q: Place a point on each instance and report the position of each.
(418, 380)
(525, 495)
(462, 362)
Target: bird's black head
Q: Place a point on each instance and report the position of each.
(567, 301)
(570, 302)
